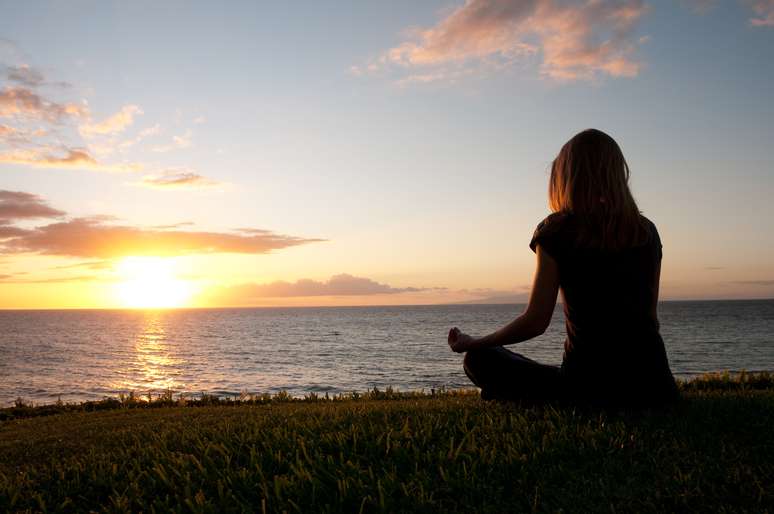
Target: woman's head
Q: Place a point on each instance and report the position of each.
(590, 179)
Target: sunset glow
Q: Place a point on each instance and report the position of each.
(150, 283)
(378, 154)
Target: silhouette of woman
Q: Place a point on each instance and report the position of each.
(605, 258)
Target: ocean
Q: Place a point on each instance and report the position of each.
(78, 355)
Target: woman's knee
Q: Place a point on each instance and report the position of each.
(476, 361)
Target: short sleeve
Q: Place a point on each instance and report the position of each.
(655, 239)
(548, 235)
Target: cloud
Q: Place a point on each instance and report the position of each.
(174, 225)
(182, 141)
(764, 283)
(24, 75)
(113, 124)
(17, 205)
(6, 131)
(99, 239)
(764, 9)
(178, 179)
(579, 40)
(9, 231)
(144, 133)
(75, 158)
(11, 279)
(19, 101)
(93, 265)
(43, 133)
(25, 142)
(338, 285)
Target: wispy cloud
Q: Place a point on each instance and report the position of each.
(174, 225)
(77, 158)
(178, 142)
(178, 179)
(338, 285)
(25, 75)
(12, 279)
(93, 265)
(25, 103)
(573, 41)
(23, 141)
(113, 124)
(39, 132)
(143, 134)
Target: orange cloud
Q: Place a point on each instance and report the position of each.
(574, 41)
(17, 205)
(11, 279)
(113, 124)
(178, 179)
(18, 101)
(96, 238)
(338, 285)
(99, 238)
(9, 231)
(77, 158)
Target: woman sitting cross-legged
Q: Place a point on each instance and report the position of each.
(605, 258)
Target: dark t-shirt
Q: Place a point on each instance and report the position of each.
(613, 346)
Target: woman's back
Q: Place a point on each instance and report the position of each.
(613, 344)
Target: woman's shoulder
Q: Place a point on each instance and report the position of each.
(550, 230)
(651, 232)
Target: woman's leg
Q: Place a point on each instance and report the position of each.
(503, 374)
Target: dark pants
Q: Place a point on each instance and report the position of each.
(504, 375)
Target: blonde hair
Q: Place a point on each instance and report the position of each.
(590, 179)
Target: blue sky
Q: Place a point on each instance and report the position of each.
(296, 118)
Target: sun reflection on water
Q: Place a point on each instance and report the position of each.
(156, 364)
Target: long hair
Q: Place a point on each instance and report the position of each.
(590, 179)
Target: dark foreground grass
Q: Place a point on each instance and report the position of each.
(449, 452)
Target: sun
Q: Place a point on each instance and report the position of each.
(151, 283)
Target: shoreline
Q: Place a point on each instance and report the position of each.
(743, 380)
(321, 393)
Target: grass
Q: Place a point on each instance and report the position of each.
(392, 452)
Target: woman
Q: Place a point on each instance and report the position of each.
(605, 258)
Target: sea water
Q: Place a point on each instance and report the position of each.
(77, 355)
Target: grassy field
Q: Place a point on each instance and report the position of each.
(389, 452)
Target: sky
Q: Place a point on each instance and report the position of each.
(158, 154)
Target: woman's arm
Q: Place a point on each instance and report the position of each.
(531, 323)
(654, 308)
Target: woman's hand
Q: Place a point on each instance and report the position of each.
(460, 342)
